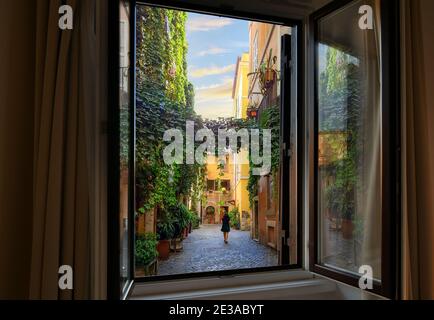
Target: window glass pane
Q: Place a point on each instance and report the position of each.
(124, 114)
(198, 82)
(349, 140)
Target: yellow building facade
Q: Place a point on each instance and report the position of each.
(264, 48)
(220, 197)
(234, 175)
(240, 96)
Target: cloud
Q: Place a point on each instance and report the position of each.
(212, 51)
(211, 71)
(207, 23)
(214, 109)
(215, 101)
(215, 91)
(219, 108)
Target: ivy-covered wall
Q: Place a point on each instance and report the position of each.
(162, 57)
(165, 100)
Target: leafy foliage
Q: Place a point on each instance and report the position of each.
(195, 221)
(146, 249)
(269, 119)
(234, 216)
(165, 101)
(341, 116)
(166, 225)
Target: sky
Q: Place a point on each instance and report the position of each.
(214, 44)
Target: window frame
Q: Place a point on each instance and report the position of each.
(391, 153)
(236, 14)
(114, 290)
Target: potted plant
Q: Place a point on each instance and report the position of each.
(341, 202)
(267, 73)
(234, 216)
(184, 219)
(341, 196)
(347, 226)
(179, 226)
(191, 217)
(196, 221)
(146, 254)
(176, 244)
(165, 230)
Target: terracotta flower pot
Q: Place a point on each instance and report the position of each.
(347, 229)
(270, 75)
(163, 248)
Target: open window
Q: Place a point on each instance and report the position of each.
(153, 92)
(355, 217)
(353, 182)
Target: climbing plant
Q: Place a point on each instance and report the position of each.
(165, 100)
(269, 119)
(340, 119)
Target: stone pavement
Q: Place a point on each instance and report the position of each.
(204, 250)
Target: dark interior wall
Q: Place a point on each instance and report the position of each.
(426, 268)
(294, 9)
(17, 21)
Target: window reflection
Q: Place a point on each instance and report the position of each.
(349, 143)
(124, 115)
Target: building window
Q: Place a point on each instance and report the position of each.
(226, 184)
(211, 185)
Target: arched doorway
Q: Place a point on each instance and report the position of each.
(210, 215)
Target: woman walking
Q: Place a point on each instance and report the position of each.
(225, 227)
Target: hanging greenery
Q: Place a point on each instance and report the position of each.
(165, 100)
(269, 119)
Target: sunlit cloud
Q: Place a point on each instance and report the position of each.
(215, 101)
(207, 23)
(214, 109)
(212, 51)
(215, 91)
(211, 71)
